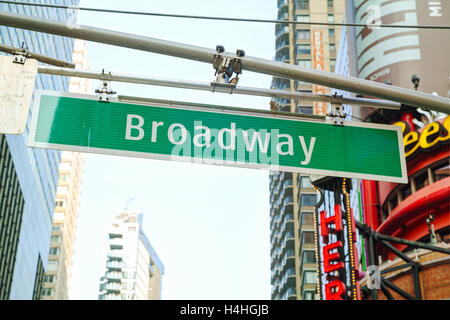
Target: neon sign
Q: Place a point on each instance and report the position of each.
(338, 260)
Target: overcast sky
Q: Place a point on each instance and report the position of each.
(208, 224)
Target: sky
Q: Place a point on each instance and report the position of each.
(208, 224)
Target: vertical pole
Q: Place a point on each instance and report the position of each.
(371, 249)
(417, 288)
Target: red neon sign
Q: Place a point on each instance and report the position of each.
(332, 259)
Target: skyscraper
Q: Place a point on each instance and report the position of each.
(29, 176)
(57, 276)
(133, 268)
(292, 195)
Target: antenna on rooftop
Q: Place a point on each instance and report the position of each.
(128, 203)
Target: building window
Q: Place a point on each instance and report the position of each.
(302, 18)
(55, 239)
(11, 211)
(308, 295)
(303, 83)
(52, 265)
(303, 34)
(306, 183)
(304, 49)
(442, 171)
(309, 257)
(405, 191)
(308, 200)
(331, 33)
(422, 180)
(49, 278)
(305, 63)
(309, 277)
(307, 218)
(47, 292)
(54, 251)
(59, 203)
(56, 227)
(302, 4)
(332, 64)
(38, 280)
(332, 47)
(128, 285)
(291, 291)
(392, 203)
(308, 237)
(330, 17)
(330, 3)
(290, 253)
(289, 234)
(304, 110)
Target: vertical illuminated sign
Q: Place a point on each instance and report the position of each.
(318, 64)
(336, 248)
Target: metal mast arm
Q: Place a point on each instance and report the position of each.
(207, 87)
(279, 69)
(38, 57)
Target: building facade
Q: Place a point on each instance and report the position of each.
(30, 176)
(62, 241)
(292, 196)
(133, 268)
(419, 210)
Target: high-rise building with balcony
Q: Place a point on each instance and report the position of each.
(29, 177)
(293, 197)
(133, 268)
(57, 276)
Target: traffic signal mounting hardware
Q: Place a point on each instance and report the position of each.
(225, 67)
(104, 91)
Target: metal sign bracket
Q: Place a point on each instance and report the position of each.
(337, 114)
(225, 67)
(104, 91)
(20, 56)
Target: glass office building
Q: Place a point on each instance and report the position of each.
(29, 177)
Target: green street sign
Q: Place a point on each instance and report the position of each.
(217, 135)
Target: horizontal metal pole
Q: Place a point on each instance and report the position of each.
(411, 243)
(400, 254)
(38, 57)
(365, 229)
(195, 85)
(229, 109)
(279, 69)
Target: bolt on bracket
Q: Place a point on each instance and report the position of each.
(104, 91)
(22, 55)
(225, 67)
(337, 114)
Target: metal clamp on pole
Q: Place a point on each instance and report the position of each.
(225, 67)
(337, 114)
(21, 55)
(104, 91)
